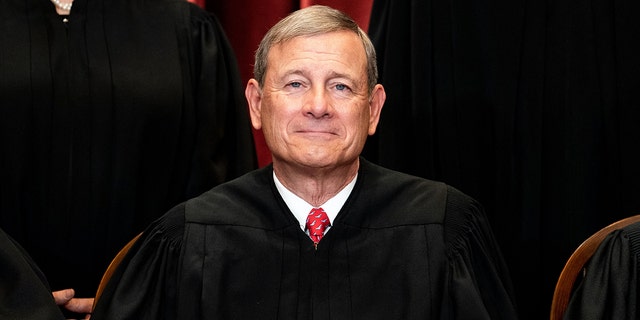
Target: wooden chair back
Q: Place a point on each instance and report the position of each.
(112, 267)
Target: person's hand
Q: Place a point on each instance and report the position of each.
(65, 298)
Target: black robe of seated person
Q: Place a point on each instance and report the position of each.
(401, 247)
(609, 289)
(24, 290)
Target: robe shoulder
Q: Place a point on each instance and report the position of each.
(610, 278)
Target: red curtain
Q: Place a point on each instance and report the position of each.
(246, 21)
(198, 2)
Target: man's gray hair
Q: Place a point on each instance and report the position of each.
(313, 20)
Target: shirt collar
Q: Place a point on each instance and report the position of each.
(301, 208)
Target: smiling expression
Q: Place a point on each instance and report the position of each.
(314, 108)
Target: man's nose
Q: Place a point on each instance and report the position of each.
(318, 103)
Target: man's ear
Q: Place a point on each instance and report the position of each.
(378, 96)
(254, 99)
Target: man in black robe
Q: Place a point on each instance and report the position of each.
(394, 246)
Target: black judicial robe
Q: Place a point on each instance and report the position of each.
(108, 121)
(401, 248)
(24, 290)
(609, 289)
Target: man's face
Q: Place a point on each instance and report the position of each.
(315, 109)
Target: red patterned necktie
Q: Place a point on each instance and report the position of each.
(317, 223)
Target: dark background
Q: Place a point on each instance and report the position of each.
(530, 106)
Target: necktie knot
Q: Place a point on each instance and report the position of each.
(317, 223)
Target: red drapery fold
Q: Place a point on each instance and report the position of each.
(246, 21)
(198, 2)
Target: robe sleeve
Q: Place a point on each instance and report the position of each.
(224, 146)
(609, 287)
(24, 290)
(144, 284)
(479, 282)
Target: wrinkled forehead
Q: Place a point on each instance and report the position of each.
(340, 49)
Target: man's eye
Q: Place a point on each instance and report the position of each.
(295, 84)
(341, 87)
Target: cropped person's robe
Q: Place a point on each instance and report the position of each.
(400, 248)
(109, 120)
(609, 289)
(24, 290)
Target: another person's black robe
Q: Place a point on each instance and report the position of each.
(609, 289)
(400, 248)
(24, 290)
(109, 120)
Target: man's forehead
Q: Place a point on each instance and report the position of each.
(334, 47)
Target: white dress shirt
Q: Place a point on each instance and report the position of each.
(301, 208)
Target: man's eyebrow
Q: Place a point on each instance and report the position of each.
(335, 74)
(355, 82)
(331, 76)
